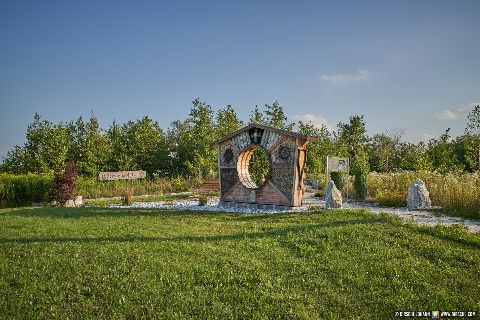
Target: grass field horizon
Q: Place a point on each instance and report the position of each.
(124, 263)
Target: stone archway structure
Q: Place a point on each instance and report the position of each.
(283, 186)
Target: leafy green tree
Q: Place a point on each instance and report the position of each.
(201, 135)
(442, 153)
(259, 166)
(47, 148)
(319, 149)
(414, 157)
(120, 157)
(138, 145)
(272, 115)
(16, 160)
(90, 147)
(384, 151)
(473, 130)
(189, 142)
(178, 152)
(146, 145)
(360, 168)
(227, 122)
(275, 116)
(353, 136)
(256, 116)
(464, 153)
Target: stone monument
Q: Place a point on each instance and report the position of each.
(418, 196)
(333, 196)
(283, 186)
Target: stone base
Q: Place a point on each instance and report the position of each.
(254, 206)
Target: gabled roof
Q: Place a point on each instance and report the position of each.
(264, 127)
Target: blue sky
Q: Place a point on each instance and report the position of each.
(411, 65)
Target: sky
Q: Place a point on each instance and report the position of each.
(404, 65)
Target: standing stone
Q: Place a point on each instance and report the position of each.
(418, 196)
(78, 201)
(333, 197)
(69, 204)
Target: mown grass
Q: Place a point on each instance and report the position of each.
(111, 264)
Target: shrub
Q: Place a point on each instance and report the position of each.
(65, 183)
(127, 198)
(24, 189)
(360, 185)
(202, 200)
(179, 184)
(339, 179)
(360, 168)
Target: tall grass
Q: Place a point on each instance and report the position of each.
(456, 193)
(92, 188)
(24, 189)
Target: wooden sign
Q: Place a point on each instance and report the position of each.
(122, 175)
(335, 164)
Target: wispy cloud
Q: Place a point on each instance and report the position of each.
(340, 80)
(446, 115)
(457, 112)
(317, 121)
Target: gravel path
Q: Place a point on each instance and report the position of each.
(189, 204)
(422, 217)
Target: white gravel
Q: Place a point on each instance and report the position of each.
(212, 205)
(422, 217)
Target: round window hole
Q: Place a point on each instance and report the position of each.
(253, 167)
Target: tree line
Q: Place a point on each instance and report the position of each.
(183, 149)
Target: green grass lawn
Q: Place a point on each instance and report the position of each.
(110, 263)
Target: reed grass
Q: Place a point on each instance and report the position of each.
(25, 189)
(93, 189)
(457, 193)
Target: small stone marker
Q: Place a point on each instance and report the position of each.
(418, 196)
(72, 203)
(122, 175)
(333, 197)
(78, 201)
(69, 204)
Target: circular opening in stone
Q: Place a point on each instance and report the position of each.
(253, 167)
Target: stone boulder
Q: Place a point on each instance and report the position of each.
(78, 201)
(333, 197)
(69, 204)
(72, 203)
(418, 197)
